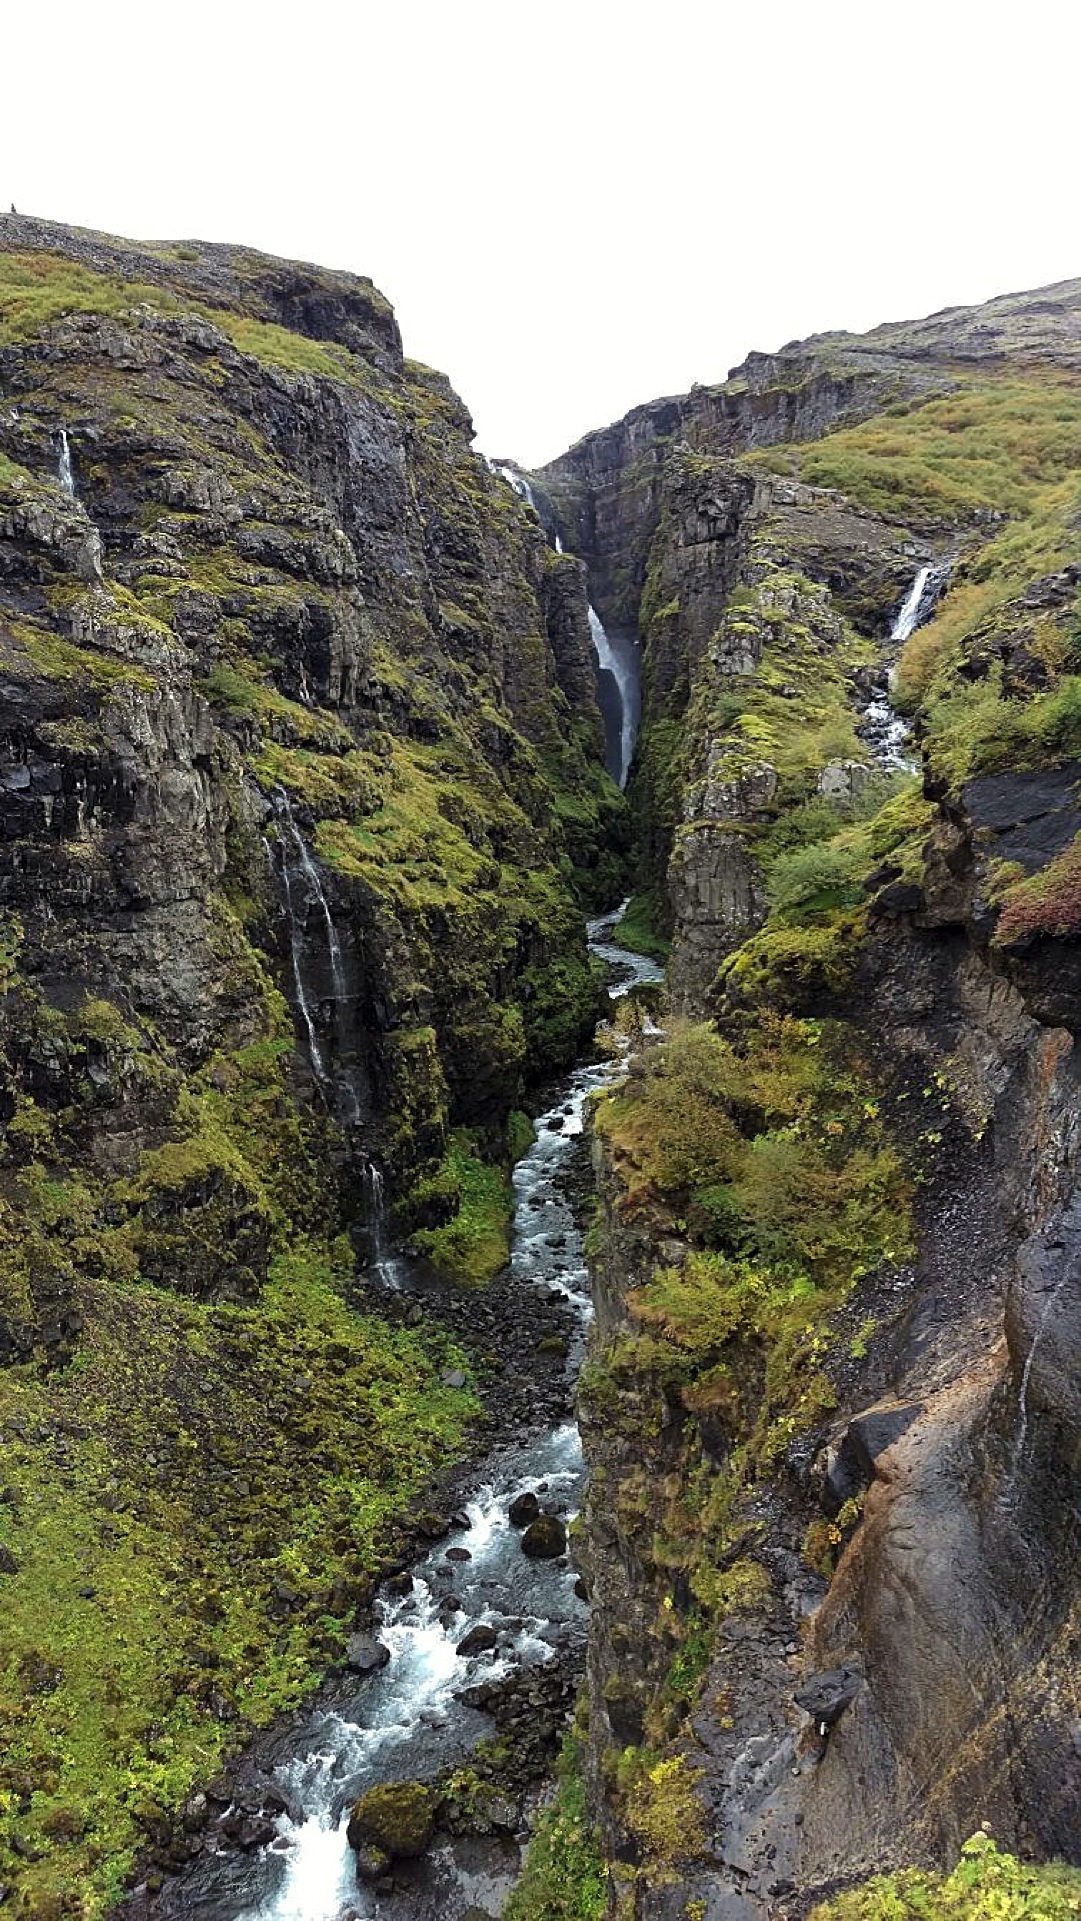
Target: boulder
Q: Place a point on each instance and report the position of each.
(477, 1640)
(365, 1654)
(545, 1539)
(397, 1817)
(523, 1509)
(826, 1696)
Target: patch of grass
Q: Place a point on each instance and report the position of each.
(473, 1244)
(191, 1467)
(1048, 902)
(564, 1877)
(637, 930)
(986, 1885)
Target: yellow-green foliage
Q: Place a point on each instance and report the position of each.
(39, 289)
(564, 1877)
(473, 1245)
(997, 443)
(986, 1885)
(795, 711)
(190, 1466)
(776, 1161)
(815, 858)
(658, 1801)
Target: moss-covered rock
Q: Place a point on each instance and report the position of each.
(397, 1817)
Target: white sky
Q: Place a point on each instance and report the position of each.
(573, 207)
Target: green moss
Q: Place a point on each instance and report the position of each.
(564, 1877)
(985, 1883)
(473, 1244)
(638, 928)
(198, 1463)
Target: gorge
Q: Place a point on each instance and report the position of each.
(358, 1144)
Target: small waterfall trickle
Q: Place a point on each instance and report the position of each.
(1021, 1430)
(884, 729)
(617, 662)
(380, 1259)
(338, 1087)
(521, 486)
(66, 471)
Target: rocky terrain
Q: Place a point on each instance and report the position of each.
(303, 808)
(831, 1413)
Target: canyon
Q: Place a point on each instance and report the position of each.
(490, 954)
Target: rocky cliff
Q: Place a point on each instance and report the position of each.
(302, 799)
(831, 1411)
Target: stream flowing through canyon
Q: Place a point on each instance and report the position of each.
(408, 1719)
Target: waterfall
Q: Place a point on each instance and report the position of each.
(384, 1263)
(908, 617)
(882, 726)
(618, 662)
(521, 486)
(67, 476)
(1021, 1433)
(338, 1087)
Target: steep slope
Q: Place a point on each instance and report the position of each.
(831, 1414)
(302, 797)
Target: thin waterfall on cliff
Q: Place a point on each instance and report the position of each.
(883, 727)
(908, 619)
(67, 475)
(521, 486)
(611, 661)
(301, 868)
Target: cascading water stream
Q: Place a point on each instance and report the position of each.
(66, 471)
(408, 1719)
(620, 663)
(884, 729)
(338, 1086)
(521, 486)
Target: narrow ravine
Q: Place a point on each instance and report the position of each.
(407, 1719)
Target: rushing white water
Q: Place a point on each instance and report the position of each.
(521, 486)
(883, 727)
(617, 662)
(407, 1718)
(67, 475)
(339, 1086)
(908, 617)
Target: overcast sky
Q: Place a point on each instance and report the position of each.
(579, 205)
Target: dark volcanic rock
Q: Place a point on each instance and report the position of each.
(545, 1538)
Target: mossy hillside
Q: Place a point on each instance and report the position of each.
(987, 1884)
(472, 1244)
(821, 861)
(564, 1876)
(769, 1155)
(422, 735)
(192, 1503)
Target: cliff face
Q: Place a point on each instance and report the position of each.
(302, 796)
(831, 1410)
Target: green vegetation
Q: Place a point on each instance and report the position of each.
(998, 443)
(563, 1876)
(986, 1885)
(637, 931)
(192, 1504)
(473, 1244)
(39, 289)
(776, 1162)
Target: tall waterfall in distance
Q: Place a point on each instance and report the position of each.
(617, 661)
(67, 475)
(521, 486)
